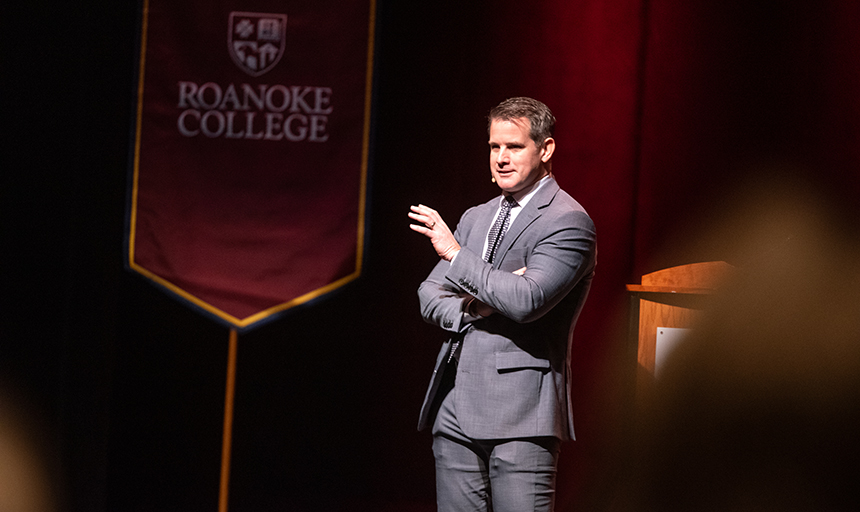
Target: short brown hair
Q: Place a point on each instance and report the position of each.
(541, 120)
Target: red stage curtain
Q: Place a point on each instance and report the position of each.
(667, 110)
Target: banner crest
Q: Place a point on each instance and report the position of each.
(256, 41)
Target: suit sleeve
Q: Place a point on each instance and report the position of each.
(442, 301)
(562, 256)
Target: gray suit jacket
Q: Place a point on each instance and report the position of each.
(513, 372)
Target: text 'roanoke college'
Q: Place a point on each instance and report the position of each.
(260, 112)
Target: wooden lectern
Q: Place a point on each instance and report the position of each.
(671, 298)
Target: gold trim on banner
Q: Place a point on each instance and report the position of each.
(137, 127)
(365, 143)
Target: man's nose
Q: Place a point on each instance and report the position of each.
(503, 157)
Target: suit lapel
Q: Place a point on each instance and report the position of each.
(478, 235)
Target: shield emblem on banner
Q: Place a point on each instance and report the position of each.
(256, 41)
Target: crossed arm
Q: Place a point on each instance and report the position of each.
(558, 258)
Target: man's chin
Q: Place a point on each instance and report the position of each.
(508, 185)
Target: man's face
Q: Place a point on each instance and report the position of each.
(515, 159)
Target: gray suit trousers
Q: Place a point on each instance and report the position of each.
(494, 475)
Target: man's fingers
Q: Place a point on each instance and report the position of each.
(424, 215)
(424, 210)
(520, 271)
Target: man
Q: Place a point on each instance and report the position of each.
(510, 284)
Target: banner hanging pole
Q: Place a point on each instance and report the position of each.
(228, 422)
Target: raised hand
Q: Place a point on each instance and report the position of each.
(431, 225)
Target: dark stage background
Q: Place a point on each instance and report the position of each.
(668, 109)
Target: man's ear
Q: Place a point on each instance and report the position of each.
(548, 149)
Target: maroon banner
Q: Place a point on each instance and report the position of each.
(250, 156)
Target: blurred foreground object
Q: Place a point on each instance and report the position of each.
(25, 483)
(759, 408)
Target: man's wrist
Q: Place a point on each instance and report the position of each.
(472, 308)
